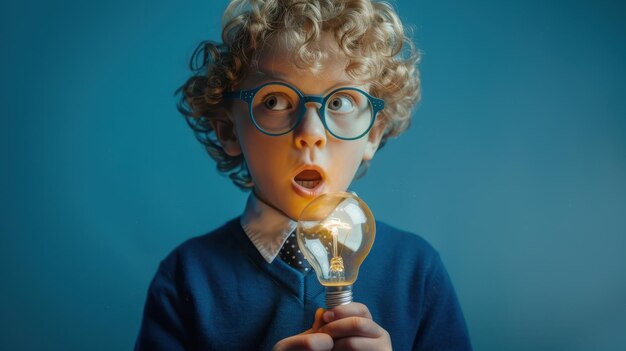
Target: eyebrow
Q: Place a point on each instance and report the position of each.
(270, 76)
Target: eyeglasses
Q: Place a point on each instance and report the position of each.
(276, 108)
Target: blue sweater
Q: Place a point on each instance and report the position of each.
(216, 292)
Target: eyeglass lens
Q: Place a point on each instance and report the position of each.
(276, 109)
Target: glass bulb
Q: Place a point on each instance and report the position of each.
(336, 232)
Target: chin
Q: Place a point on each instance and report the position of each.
(294, 210)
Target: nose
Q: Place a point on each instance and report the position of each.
(311, 131)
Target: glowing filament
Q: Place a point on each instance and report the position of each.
(336, 268)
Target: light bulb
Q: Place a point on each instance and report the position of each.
(336, 232)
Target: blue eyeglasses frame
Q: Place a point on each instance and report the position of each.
(249, 94)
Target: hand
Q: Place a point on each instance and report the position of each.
(310, 340)
(352, 328)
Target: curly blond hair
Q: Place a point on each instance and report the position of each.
(368, 33)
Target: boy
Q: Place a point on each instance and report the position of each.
(294, 104)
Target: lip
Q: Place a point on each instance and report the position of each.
(309, 192)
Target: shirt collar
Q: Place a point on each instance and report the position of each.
(266, 227)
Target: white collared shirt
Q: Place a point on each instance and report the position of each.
(267, 228)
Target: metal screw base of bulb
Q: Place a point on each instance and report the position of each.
(338, 295)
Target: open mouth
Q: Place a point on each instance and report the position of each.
(308, 178)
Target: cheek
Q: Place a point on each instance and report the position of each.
(252, 141)
(265, 157)
(346, 161)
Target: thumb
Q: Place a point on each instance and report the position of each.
(319, 321)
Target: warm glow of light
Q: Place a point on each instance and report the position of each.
(334, 224)
(335, 233)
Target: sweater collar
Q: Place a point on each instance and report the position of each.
(266, 227)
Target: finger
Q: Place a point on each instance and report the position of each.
(318, 321)
(312, 342)
(353, 309)
(361, 344)
(352, 326)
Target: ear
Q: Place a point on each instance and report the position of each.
(373, 141)
(226, 134)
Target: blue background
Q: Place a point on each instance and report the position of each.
(514, 167)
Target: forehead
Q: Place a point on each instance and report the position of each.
(276, 62)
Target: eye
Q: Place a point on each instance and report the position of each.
(341, 103)
(276, 102)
